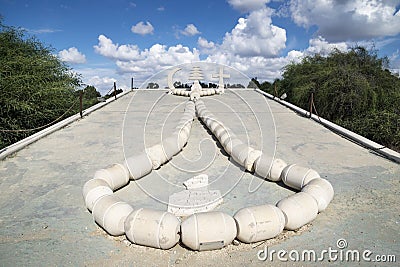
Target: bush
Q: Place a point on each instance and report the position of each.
(378, 125)
(353, 89)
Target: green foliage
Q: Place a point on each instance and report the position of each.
(274, 88)
(236, 85)
(253, 83)
(152, 85)
(177, 84)
(353, 89)
(377, 125)
(36, 87)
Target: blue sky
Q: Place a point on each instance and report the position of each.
(109, 41)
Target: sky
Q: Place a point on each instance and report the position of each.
(114, 41)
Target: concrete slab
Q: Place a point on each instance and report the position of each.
(43, 218)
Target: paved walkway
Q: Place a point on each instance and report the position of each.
(43, 220)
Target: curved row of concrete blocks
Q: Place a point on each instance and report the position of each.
(208, 230)
(196, 94)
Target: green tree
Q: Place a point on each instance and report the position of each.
(36, 87)
(177, 84)
(253, 83)
(152, 85)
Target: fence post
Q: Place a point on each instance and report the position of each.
(115, 90)
(80, 103)
(311, 102)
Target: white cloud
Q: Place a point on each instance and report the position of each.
(206, 47)
(102, 78)
(342, 20)
(190, 30)
(283, 11)
(255, 35)
(320, 46)
(42, 31)
(142, 28)
(316, 46)
(203, 43)
(261, 67)
(72, 55)
(103, 84)
(248, 5)
(107, 48)
(161, 8)
(253, 46)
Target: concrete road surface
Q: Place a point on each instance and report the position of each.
(43, 219)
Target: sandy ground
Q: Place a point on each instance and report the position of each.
(43, 219)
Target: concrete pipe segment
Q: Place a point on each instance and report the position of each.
(157, 156)
(110, 213)
(208, 230)
(93, 190)
(296, 176)
(321, 190)
(152, 228)
(240, 153)
(249, 163)
(138, 166)
(269, 168)
(299, 209)
(116, 176)
(171, 146)
(259, 223)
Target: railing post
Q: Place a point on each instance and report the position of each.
(80, 103)
(311, 103)
(115, 90)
